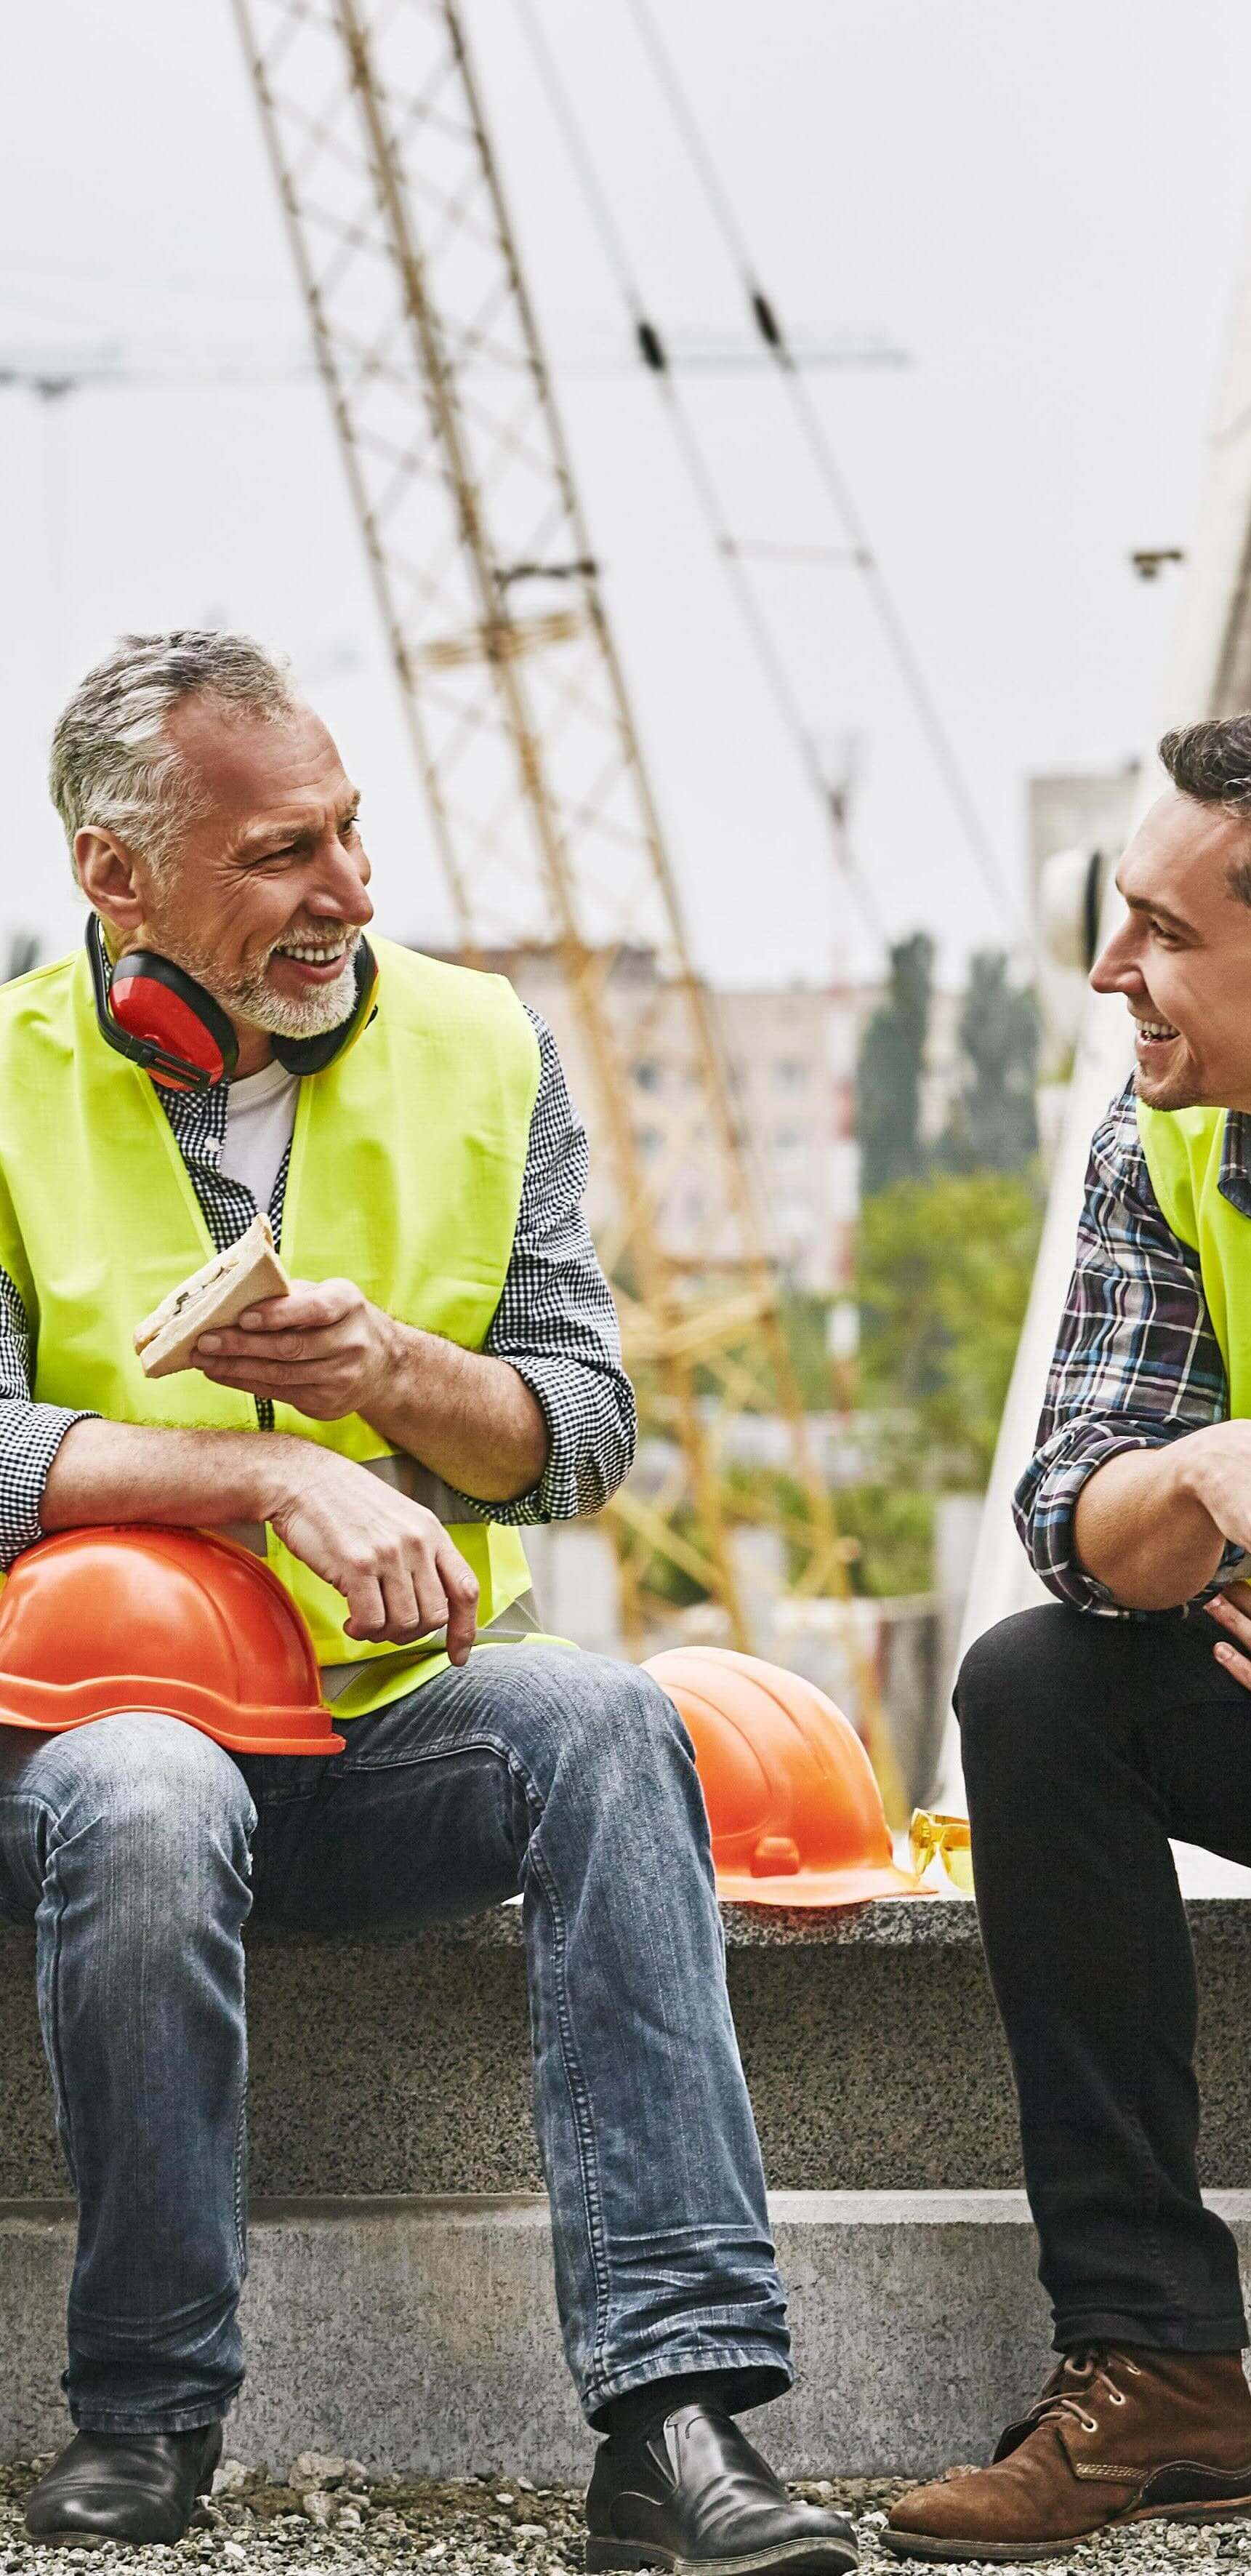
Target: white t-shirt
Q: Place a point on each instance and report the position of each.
(260, 1115)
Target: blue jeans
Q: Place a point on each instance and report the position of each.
(137, 1847)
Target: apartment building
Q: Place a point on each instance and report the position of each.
(790, 1060)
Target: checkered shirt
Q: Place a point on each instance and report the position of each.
(555, 1323)
(1137, 1363)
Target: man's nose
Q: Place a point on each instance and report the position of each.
(339, 893)
(1116, 969)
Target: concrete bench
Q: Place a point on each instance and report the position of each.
(400, 2305)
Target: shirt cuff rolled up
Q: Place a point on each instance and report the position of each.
(30, 1436)
(1046, 1504)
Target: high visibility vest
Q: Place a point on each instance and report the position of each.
(1183, 1148)
(407, 1161)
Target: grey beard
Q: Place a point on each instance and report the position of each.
(250, 997)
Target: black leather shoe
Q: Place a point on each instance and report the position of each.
(692, 2493)
(124, 2486)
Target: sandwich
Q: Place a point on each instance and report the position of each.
(211, 1299)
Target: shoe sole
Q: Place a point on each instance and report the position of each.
(1014, 2553)
(797, 2558)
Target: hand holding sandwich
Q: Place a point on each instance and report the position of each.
(326, 1351)
(322, 1348)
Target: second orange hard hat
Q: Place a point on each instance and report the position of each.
(95, 1622)
(795, 1811)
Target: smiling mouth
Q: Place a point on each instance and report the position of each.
(1152, 1033)
(315, 961)
(309, 953)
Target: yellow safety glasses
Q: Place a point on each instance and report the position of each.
(944, 1838)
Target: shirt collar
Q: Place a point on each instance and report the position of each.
(1235, 1180)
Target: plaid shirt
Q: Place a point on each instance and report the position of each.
(555, 1323)
(1137, 1362)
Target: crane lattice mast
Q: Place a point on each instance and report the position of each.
(519, 717)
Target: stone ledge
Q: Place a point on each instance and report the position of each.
(871, 2045)
(887, 1923)
(420, 2334)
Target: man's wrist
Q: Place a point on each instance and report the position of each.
(392, 1382)
(279, 1464)
(392, 1354)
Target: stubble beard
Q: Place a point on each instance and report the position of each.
(1171, 1091)
(251, 997)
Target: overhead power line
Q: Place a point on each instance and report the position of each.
(653, 351)
(764, 315)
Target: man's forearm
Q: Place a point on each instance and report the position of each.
(123, 1471)
(469, 1418)
(1143, 1531)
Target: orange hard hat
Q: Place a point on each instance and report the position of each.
(97, 1621)
(795, 1811)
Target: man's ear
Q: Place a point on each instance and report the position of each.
(108, 877)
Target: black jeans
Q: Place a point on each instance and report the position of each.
(1087, 1743)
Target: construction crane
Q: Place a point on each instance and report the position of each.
(538, 796)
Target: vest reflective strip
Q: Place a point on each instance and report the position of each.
(519, 1621)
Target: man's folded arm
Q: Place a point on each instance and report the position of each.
(1104, 1508)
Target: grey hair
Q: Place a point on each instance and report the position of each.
(113, 764)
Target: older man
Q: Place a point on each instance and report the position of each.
(435, 1163)
(1096, 1728)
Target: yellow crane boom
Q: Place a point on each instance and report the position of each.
(491, 600)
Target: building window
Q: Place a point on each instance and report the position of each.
(647, 1074)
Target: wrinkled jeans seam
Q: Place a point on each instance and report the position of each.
(575, 2080)
(65, 2126)
(579, 2102)
(659, 2366)
(181, 2419)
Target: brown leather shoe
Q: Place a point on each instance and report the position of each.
(1119, 2434)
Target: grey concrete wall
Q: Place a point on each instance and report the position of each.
(422, 2335)
(871, 2044)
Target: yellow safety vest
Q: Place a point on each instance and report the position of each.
(407, 1161)
(1183, 1148)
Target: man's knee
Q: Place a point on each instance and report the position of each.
(995, 1667)
(153, 1792)
(1033, 1683)
(612, 1719)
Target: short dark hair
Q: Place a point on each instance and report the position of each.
(1211, 761)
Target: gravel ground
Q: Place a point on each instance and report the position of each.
(326, 2514)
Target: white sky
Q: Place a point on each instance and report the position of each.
(1042, 206)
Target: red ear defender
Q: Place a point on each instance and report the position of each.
(155, 1001)
(156, 1016)
(160, 1018)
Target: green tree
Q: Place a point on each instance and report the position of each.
(945, 1269)
(888, 1080)
(993, 1126)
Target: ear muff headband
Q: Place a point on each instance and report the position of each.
(159, 1017)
